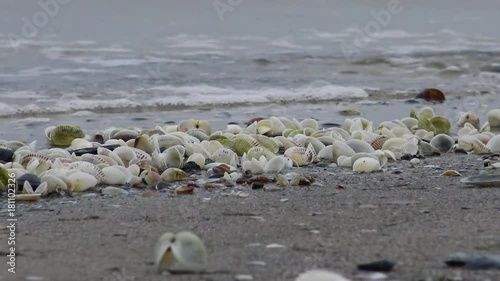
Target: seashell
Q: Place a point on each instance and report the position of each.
(494, 118)
(98, 159)
(143, 143)
(410, 122)
(233, 129)
(225, 155)
(431, 94)
(88, 168)
(169, 158)
(257, 152)
(112, 191)
(151, 177)
(197, 158)
(469, 117)
(426, 124)
(425, 112)
(289, 124)
(277, 126)
(363, 155)
(320, 275)
(278, 164)
(470, 143)
(393, 143)
(300, 155)
(254, 166)
(482, 180)
(186, 125)
(424, 135)
(441, 125)
(451, 173)
(184, 248)
(494, 144)
(30, 195)
(106, 152)
(316, 144)
(427, 149)
(344, 161)
(332, 152)
(198, 134)
(81, 181)
(63, 135)
(410, 148)
(27, 158)
(113, 176)
(264, 126)
(266, 142)
(242, 143)
(34, 180)
(442, 142)
(204, 126)
(289, 179)
(309, 123)
(360, 146)
(378, 142)
(54, 183)
(173, 174)
(366, 165)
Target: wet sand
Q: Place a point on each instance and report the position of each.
(415, 218)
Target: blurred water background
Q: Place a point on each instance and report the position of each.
(143, 63)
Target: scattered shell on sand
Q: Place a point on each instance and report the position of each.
(183, 251)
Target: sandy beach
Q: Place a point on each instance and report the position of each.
(412, 216)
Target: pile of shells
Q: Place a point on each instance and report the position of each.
(142, 158)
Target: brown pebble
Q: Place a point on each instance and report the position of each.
(431, 94)
(228, 184)
(262, 179)
(242, 180)
(184, 190)
(211, 185)
(340, 187)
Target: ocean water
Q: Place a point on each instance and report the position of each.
(143, 63)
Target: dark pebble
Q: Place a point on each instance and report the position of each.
(191, 167)
(31, 178)
(379, 266)
(257, 185)
(92, 150)
(6, 154)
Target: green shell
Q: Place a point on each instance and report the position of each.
(257, 152)
(413, 113)
(63, 135)
(441, 125)
(267, 142)
(242, 143)
(4, 179)
(426, 124)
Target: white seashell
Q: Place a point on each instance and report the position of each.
(344, 161)
(332, 152)
(494, 144)
(393, 143)
(278, 164)
(225, 155)
(469, 117)
(197, 158)
(300, 155)
(184, 248)
(360, 146)
(88, 168)
(320, 275)
(114, 176)
(233, 129)
(289, 179)
(173, 174)
(470, 143)
(186, 125)
(81, 181)
(151, 177)
(494, 118)
(264, 126)
(276, 125)
(410, 122)
(80, 143)
(106, 152)
(366, 165)
(253, 166)
(112, 190)
(309, 123)
(410, 148)
(54, 183)
(426, 112)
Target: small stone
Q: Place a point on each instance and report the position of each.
(274, 246)
(112, 191)
(257, 185)
(414, 161)
(382, 265)
(243, 277)
(258, 263)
